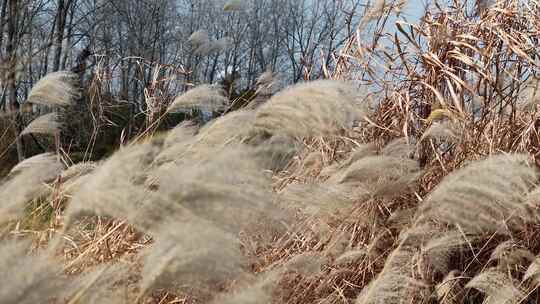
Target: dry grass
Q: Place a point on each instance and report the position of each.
(211, 47)
(199, 37)
(26, 182)
(318, 107)
(430, 197)
(203, 97)
(55, 89)
(45, 124)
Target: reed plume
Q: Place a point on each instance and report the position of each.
(320, 107)
(451, 289)
(498, 287)
(533, 272)
(45, 124)
(26, 182)
(199, 37)
(233, 5)
(193, 254)
(485, 196)
(116, 188)
(55, 89)
(204, 97)
(28, 278)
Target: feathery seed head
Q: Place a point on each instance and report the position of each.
(192, 254)
(314, 108)
(445, 130)
(266, 78)
(214, 47)
(399, 148)
(533, 272)
(199, 38)
(27, 279)
(204, 97)
(55, 89)
(78, 169)
(233, 5)
(483, 197)
(45, 124)
(229, 190)
(26, 182)
(116, 188)
(450, 290)
(39, 162)
(509, 255)
(498, 286)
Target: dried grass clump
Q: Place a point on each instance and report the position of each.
(274, 153)
(230, 128)
(267, 84)
(529, 96)
(37, 278)
(384, 175)
(266, 283)
(79, 169)
(511, 256)
(451, 289)
(28, 279)
(355, 155)
(446, 130)
(194, 213)
(199, 37)
(74, 177)
(307, 263)
(399, 148)
(396, 282)
(484, 197)
(259, 292)
(39, 161)
(206, 203)
(498, 286)
(180, 133)
(229, 190)
(101, 285)
(192, 254)
(436, 253)
(315, 199)
(184, 145)
(370, 169)
(266, 79)
(55, 89)
(205, 97)
(233, 5)
(351, 256)
(26, 182)
(45, 124)
(198, 190)
(320, 107)
(214, 47)
(176, 146)
(533, 272)
(117, 188)
(364, 175)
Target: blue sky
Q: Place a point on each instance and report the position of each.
(414, 10)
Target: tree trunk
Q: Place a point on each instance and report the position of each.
(59, 37)
(3, 21)
(11, 53)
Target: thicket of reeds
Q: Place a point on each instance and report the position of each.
(422, 190)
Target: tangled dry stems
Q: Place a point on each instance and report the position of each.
(381, 222)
